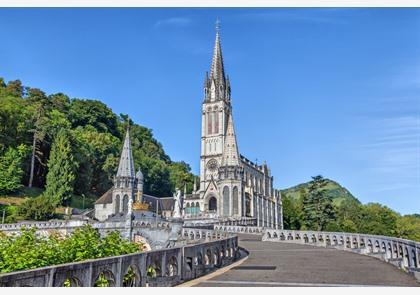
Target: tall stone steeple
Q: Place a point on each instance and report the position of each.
(230, 155)
(126, 166)
(125, 181)
(216, 86)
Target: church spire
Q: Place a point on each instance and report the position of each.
(216, 86)
(217, 69)
(230, 155)
(126, 166)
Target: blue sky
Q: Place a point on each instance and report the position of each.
(328, 91)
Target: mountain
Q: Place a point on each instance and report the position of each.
(334, 189)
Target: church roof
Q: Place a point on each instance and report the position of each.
(230, 155)
(126, 166)
(106, 198)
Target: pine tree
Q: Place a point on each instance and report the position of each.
(61, 176)
(318, 209)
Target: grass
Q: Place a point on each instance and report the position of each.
(22, 194)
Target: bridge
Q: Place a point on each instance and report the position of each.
(232, 255)
(310, 258)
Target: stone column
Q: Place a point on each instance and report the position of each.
(258, 211)
(263, 212)
(276, 215)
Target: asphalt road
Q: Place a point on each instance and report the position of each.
(279, 265)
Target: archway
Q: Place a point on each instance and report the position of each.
(212, 204)
(105, 279)
(132, 277)
(172, 268)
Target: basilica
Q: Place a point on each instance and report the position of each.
(231, 186)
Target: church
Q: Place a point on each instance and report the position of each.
(231, 186)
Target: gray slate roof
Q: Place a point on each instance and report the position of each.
(126, 166)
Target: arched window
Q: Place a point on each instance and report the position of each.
(117, 204)
(209, 123)
(226, 201)
(216, 122)
(235, 200)
(125, 204)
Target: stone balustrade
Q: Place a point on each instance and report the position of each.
(402, 253)
(239, 229)
(172, 266)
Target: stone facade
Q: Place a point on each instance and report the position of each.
(231, 186)
(128, 185)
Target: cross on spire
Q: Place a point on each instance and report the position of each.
(217, 25)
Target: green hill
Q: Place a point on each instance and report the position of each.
(335, 190)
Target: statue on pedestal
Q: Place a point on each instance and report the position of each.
(177, 204)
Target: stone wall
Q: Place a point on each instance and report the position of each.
(173, 266)
(159, 233)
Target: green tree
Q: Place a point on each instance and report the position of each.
(180, 175)
(318, 208)
(408, 227)
(28, 250)
(39, 208)
(61, 168)
(292, 212)
(378, 220)
(94, 113)
(348, 215)
(15, 88)
(11, 169)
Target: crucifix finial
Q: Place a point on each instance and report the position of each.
(217, 25)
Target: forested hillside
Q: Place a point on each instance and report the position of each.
(88, 137)
(323, 204)
(332, 189)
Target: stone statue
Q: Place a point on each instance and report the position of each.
(130, 207)
(177, 204)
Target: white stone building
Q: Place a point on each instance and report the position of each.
(231, 186)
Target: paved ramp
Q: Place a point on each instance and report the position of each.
(280, 264)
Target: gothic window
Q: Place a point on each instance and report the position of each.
(125, 204)
(117, 204)
(216, 122)
(226, 201)
(235, 200)
(209, 123)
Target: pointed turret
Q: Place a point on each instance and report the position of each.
(217, 69)
(216, 84)
(230, 155)
(126, 166)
